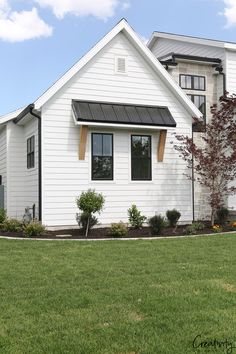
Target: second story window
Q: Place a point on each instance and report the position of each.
(192, 82)
(30, 152)
(200, 103)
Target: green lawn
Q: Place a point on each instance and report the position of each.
(122, 297)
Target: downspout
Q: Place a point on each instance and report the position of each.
(221, 72)
(193, 185)
(39, 159)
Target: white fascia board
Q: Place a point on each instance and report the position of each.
(187, 39)
(10, 116)
(230, 46)
(123, 126)
(124, 27)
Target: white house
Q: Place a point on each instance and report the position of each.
(107, 124)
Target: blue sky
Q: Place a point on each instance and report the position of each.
(41, 39)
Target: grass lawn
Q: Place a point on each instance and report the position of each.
(122, 297)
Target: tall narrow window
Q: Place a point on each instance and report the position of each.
(102, 156)
(30, 152)
(141, 164)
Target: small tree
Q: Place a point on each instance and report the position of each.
(136, 219)
(90, 203)
(214, 161)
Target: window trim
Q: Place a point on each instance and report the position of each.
(150, 139)
(30, 153)
(192, 82)
(112, 160)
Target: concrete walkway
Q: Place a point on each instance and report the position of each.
(116, 239)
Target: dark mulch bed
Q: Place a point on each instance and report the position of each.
(99, 233)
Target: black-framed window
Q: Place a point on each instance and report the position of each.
(200, 103)
(141, 158)
(102, 156)
(30, 152)
(192, 82)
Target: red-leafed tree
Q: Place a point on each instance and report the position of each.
(215, 157)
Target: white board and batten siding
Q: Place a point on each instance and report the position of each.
(65, 176)
(22, 182)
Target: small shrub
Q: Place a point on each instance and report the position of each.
(199, 226)
(173, 217)
(12, 225)
(33, 229)
(89, 203)
(3, 215)
(119, 230)
(217, 228)
(191, 230)
(194, 228)
(135, 218)
(82, 220)
(222, 215)
(157, 224)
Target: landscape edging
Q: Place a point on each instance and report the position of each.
(115, 239)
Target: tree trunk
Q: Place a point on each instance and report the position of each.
(212, 217)
(87, 227)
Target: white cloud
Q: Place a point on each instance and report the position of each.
(230, 12)
(101, 9)
(4, 7)
(126, 5)
(20, 26)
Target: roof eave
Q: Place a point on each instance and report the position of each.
(23, 113)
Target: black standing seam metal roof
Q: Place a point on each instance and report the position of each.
(97, 112)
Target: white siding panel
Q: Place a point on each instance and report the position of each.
(65, 177)
(16, 187)
(23, 182)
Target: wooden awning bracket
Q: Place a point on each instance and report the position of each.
(83, 134)
(161, 145)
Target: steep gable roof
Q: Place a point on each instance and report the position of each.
(125, 28)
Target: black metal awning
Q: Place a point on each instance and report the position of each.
(112, 113)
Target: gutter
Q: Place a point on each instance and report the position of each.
(193, 185)
(30, 109)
